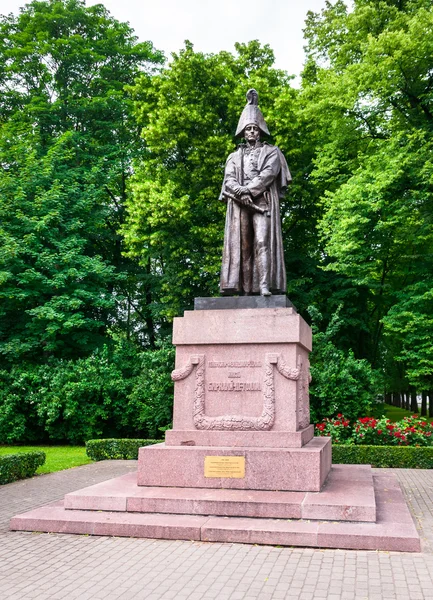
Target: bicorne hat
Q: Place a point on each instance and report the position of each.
(252, 114)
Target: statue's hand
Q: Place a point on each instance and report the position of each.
(241, 190)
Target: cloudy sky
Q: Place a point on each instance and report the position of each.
(213, 25)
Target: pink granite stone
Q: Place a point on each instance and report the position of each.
(283, 469)
(395, 514)
(251, 503)
(387, 482)
(394, 529)
(241, 371)
(109, 495)
(369, 536)
(350, 473)
(289, 397)
(242, 326)
(262, 439)
(123, 494)
(260, 531)
(55, 519)
(387, 533)
(348, 495)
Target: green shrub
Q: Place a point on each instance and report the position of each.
(19, 466)
(400, 457)
(116, 449)
(119, 391)
(341, 383)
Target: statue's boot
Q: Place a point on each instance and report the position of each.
(263, 268)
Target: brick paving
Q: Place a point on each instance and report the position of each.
(54, 567)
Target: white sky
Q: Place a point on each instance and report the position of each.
(213, 25)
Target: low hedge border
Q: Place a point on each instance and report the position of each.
(20, 465)
(117, 449)
(399, 457)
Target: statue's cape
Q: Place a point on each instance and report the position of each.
(231, 263)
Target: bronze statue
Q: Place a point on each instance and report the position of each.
(256, 177)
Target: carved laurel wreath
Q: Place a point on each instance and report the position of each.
(236, 422)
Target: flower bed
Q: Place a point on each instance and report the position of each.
(410, 431)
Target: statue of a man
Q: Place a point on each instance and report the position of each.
(256, 177)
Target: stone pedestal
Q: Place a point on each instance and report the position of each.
(241, 390)
(241, 464)
(289, 469)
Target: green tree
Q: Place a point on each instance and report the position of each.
(54, 290)
(341, 383)
(67, 139)
(367, 92)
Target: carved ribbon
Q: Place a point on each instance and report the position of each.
(303, 399)
(235, 422)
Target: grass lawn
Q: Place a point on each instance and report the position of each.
(58, 457)
(393, 413)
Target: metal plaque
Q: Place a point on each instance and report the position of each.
(224, 466)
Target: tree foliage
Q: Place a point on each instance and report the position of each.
(114, 392)
(341, 383)
(368, 92)
(67, 138)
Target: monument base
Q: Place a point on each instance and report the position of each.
(241, 463)
(354, 510)
(234, 439)
(283, 469)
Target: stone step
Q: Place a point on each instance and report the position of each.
(347, 495)
(54, 518)
(394, 529)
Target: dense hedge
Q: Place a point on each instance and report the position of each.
(19, 466)
(116, 392)
(116, 449)
(403, 457)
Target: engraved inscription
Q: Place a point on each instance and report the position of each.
(265, 421)
(236, 364)
(230, 467)
(234, 386)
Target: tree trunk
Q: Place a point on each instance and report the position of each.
(430, 403)
(413, 402)
(149, 319)
(423, 404)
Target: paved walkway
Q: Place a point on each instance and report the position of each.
(53, 567)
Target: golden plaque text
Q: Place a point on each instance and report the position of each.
(224, 466)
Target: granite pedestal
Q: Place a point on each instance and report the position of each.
(241, 390)
(350, 512)
(241, 463)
